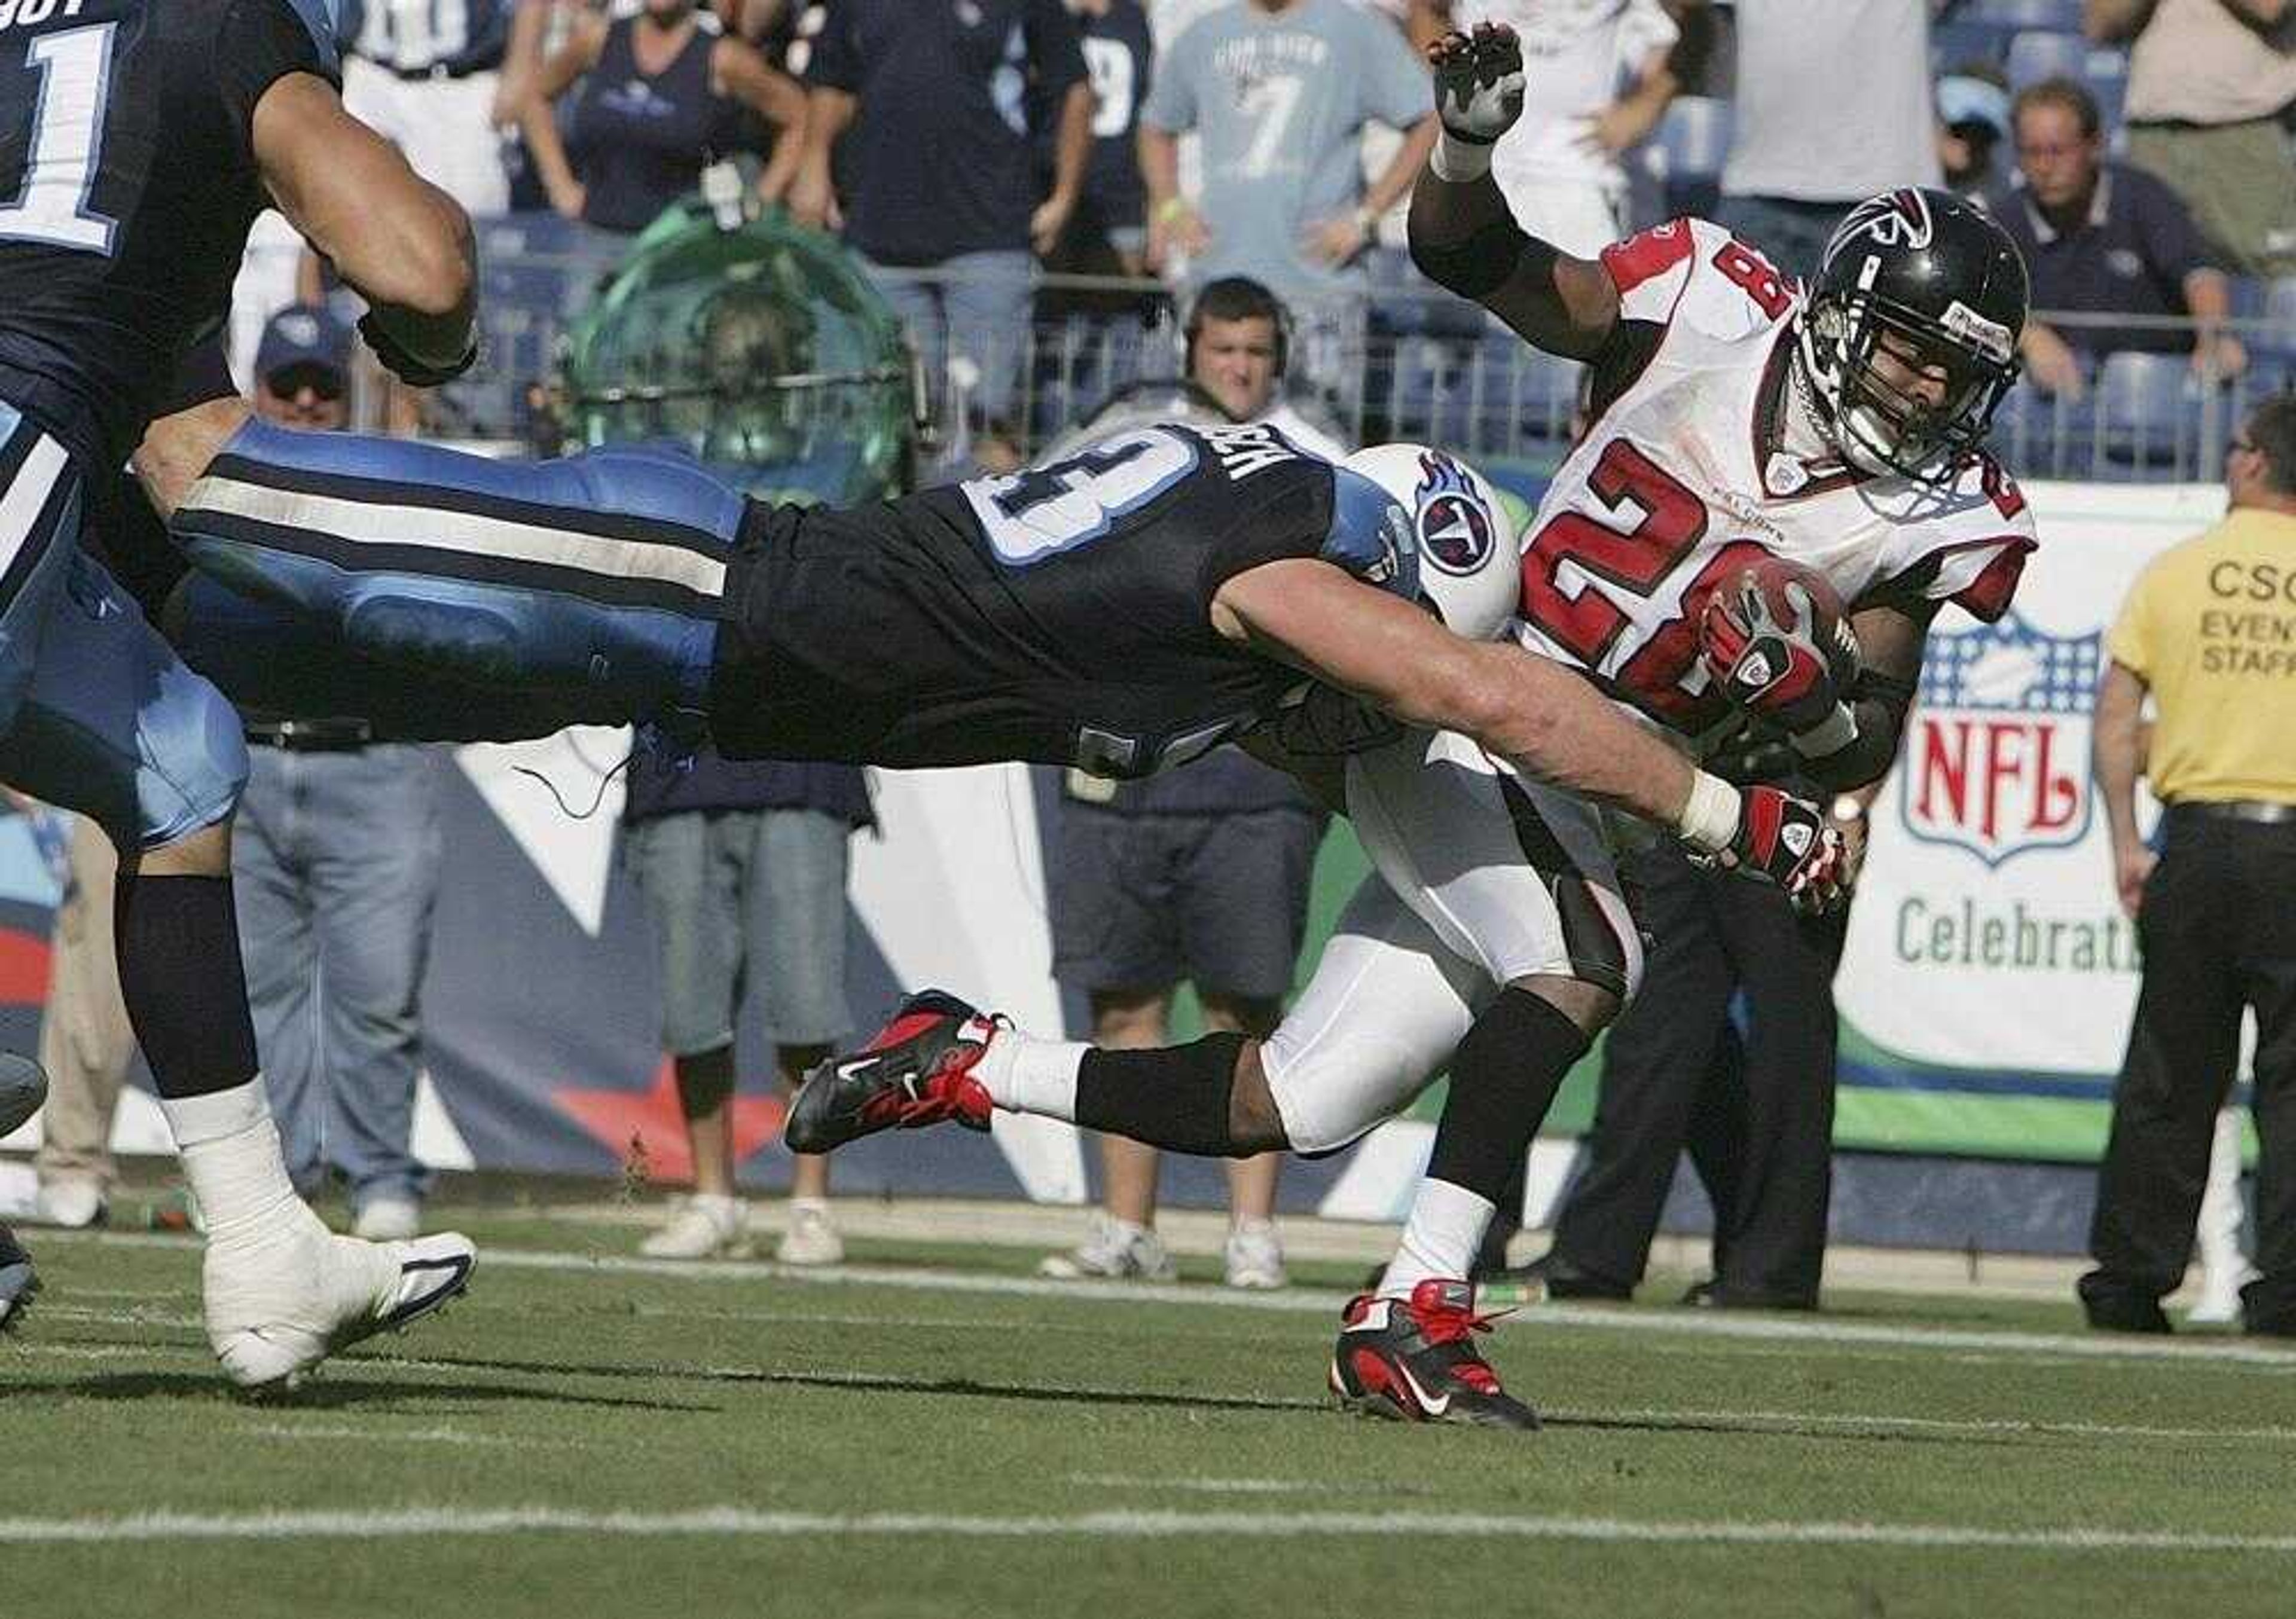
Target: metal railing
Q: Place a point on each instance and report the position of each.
(1420, 364)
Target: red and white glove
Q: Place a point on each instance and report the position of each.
(1786, 840)
(1781, 670)
(1771, 836)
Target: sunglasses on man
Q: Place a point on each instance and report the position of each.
(324, 381)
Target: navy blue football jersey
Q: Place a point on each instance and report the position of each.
(128, 182)
(1062, 614)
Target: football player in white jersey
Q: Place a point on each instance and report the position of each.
(1736, 417)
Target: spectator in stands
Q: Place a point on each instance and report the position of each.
(931, 101)
(86, 1042)
(2102, 237)
(1108, 233)
(1197, 876)
(2212, 87)
(1832, 105)
(335, 863)
(1280, 91)
(661, 90)
(425, 78)
(2211, 908)
(1754, 1110)
(743, 864)
(1596, 80)
(1972, 116)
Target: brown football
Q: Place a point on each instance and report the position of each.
(1771, 576)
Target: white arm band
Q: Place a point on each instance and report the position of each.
(1709, 820)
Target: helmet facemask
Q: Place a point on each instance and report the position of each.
(1880, 426)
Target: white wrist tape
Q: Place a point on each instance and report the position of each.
(1829, 736)
(1457, 161)
(1709, 820)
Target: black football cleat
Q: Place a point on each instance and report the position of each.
(1414, 1361)
(23, 1087)
(18, 1280)
(913, 1072)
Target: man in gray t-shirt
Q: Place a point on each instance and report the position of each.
(1280, 91)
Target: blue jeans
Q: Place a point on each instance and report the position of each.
(335, 857)
(1790, 233)
(974, 306)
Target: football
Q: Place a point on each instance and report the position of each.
(1771, 576)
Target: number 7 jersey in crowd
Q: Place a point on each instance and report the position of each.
(1683, 476)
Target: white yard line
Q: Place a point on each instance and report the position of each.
(418, 1437)
(1300, 1301)
(744, 1523)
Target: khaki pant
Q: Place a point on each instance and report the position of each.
(2238, 180)
(85, 1043)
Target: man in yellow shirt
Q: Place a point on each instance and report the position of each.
(2210, 629)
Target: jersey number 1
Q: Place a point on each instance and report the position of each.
(74, 68)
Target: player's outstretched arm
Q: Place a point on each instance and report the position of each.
(1545, 719)
(1398, 657)
(403, 243)
(1462, 235)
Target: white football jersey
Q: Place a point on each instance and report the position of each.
(1676, 484)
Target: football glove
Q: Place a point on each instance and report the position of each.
(405, 366)
(1479, 84)
(1781, 671)
(1783, 840)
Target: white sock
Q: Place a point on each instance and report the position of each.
(1440, 1238)
(1024, 1074)
(231, 1155)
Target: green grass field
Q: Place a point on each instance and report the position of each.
(929, 1433)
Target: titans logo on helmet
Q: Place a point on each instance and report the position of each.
(1454, 528)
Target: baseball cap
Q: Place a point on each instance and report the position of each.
(1964, 98)
(304, 334)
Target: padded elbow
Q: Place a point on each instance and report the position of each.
(1475, 267)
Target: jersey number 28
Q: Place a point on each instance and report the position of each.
(1659, 523)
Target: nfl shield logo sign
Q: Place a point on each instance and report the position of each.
(1997, 760)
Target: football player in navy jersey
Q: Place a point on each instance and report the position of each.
(1121, 611)
(141, 139)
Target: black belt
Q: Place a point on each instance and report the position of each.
(439, 70)
(311, 736)
(2255, 810)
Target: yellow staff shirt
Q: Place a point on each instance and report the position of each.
(2210, 626)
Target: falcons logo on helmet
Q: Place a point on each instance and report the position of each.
(1895, 218)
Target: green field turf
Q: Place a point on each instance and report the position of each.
(931, 1434)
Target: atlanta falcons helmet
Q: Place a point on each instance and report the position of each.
(1469, 570)
(1944, 285)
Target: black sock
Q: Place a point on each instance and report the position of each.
(1504, 1077)
(1175, 1099)
(178, 940)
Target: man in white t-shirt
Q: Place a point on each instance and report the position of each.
(1595, 81)
(1834, 105)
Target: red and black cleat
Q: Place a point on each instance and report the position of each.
(916, 1071)
(1414, 1361)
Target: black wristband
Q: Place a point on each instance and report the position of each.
(1476, 266)
(405, 367)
